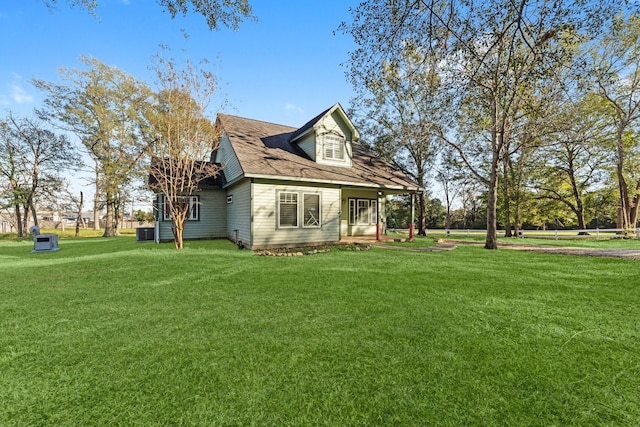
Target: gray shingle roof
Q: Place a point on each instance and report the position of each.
(264, 149)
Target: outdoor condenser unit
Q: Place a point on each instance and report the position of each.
(145, 234)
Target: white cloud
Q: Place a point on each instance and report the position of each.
(292, 107)
(19, 95)
(16, 94)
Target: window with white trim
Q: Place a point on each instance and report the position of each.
(363, 212)
(352, 211)
(334, 147)
(194, 207)
(362, 216)
(311, 210)
(287, 209)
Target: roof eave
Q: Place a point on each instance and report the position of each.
(335, 182)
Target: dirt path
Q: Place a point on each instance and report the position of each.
(607, 253)
(449, 244)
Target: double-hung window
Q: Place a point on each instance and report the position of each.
(311, 209)
(333, 147)
(297, 209)
(191, 202)
(287, 209)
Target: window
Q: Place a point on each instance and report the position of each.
(352, 211)
(311, 209)
(333, 147)
(363, 212)
(194, 207)
(363, 216)
(288, 210)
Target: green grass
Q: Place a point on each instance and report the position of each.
(123, 333)
(68, 233)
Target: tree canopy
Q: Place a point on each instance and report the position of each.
(218, 13)
(498, 62)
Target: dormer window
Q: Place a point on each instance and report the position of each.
(333, 147)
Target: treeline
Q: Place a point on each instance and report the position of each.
(529, 109)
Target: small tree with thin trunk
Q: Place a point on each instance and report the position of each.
(182, 139)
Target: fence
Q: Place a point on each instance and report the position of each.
(591, 233)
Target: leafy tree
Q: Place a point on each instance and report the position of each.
(398, 103)
(494, 63)
(228, 13)
(615, 66)
(143, 216)
(106, 108)
(33, 157)
(436, 213)
(576, 158)
(182, 138)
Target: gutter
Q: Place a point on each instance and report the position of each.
(324, 181)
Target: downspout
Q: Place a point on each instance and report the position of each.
(340, 211)
(413, 217)
(251, 243)
(156, 213)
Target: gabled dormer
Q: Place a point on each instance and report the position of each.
(327, 138)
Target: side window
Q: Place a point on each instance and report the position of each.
(194, 207)
(311, 210)
(352, 211)
(288, 209)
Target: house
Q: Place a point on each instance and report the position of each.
(282, 186)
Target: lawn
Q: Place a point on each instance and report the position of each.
(110, 331)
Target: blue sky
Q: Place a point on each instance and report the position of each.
(284, 68)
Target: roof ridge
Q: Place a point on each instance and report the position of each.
(256, 120)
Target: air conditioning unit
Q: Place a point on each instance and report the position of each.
(45, 243)
(145, 234)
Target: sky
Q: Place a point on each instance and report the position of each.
(283, 68)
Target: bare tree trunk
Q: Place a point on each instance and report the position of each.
(492, 203)
(505, 195)
(110, 230)
(422, 220)
(178, 232)
(620, 221)
(25, 218)
(20, 227)
(79, 217)
(624, 217)
(96, 203)
(34, 213)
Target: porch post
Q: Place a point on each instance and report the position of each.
(412, 217)
(378, 225)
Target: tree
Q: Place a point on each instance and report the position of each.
(616, 69)
(227, 13)
(106, 108)
(399, 103)
(449, 175)
(576, 157)
(34, 157)
(12, 190)
(181, 138)
(494, 63)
